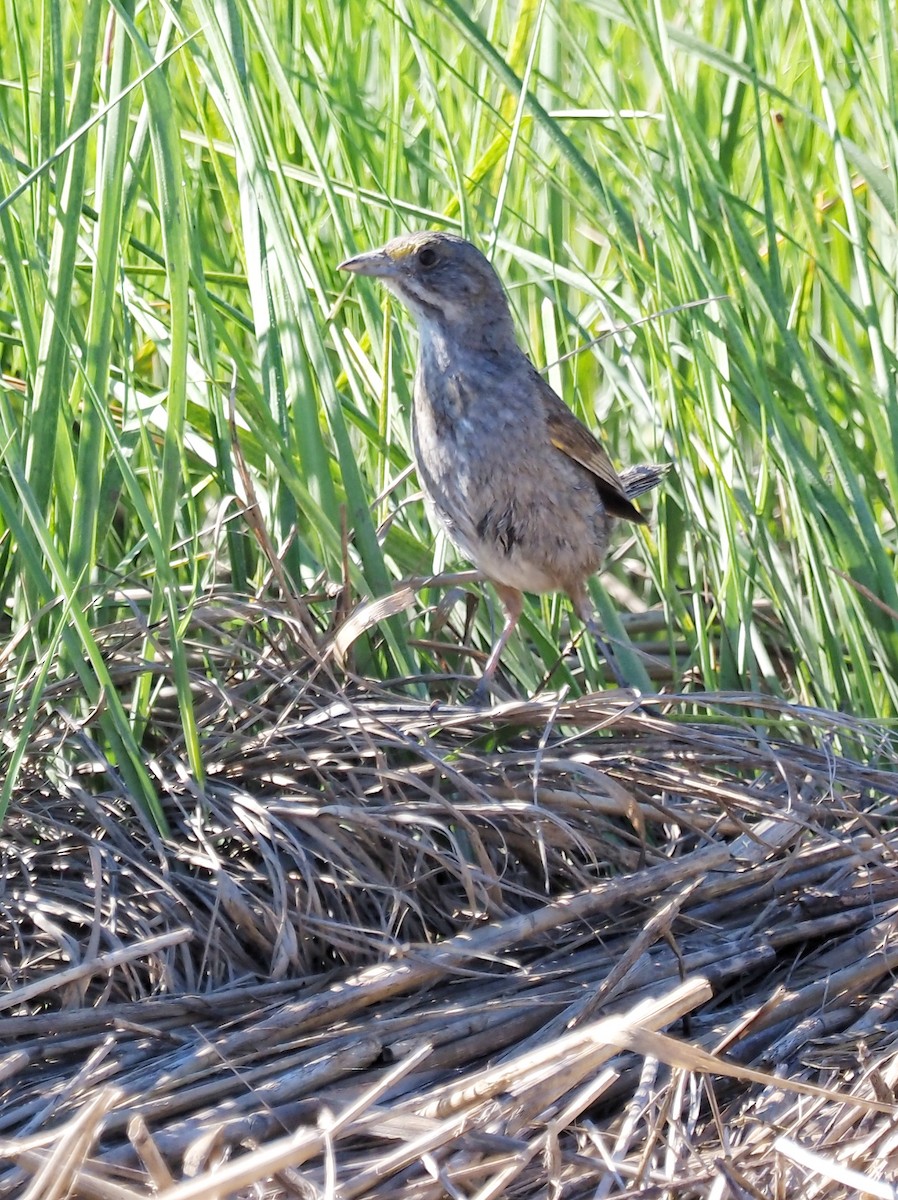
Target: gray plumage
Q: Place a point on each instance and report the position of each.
(519, 484)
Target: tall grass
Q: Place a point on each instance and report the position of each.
(616, 159)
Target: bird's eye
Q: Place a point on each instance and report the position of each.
(427, 256)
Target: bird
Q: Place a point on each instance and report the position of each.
(522, 488)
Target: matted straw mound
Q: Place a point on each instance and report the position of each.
(576, 950)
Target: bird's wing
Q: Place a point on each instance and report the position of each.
(572, 438)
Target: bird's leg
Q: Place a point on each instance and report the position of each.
(513, 603)
(584, 611)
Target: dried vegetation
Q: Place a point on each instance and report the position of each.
(393, 950)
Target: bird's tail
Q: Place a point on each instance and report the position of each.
(643, 478)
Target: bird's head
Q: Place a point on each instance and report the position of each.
(442, 279)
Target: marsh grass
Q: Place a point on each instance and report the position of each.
(616, 163)
(276, 912)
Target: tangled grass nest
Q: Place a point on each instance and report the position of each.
(396, 950)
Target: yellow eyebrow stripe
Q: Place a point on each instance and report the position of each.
(404, 250)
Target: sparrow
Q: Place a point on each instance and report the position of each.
(525, 491)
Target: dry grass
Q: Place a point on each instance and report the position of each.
(390, 950)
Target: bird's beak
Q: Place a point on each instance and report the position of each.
(374, 262)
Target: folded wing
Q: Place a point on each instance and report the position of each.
(572, 438)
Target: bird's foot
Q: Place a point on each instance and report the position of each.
(480, 697)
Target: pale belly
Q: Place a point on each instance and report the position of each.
(536, 552)
(514, 570)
